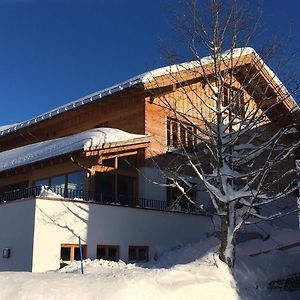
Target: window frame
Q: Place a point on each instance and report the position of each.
(65, 189)
(237, 97)
(72, 248)
(136, 249)
(106, 249)
(180, 135)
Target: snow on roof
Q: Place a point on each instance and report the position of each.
(97, 138)
(140, 79)
(234, 53)
(3, 127)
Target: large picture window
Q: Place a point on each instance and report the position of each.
(69, 185)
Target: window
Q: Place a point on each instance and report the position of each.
(235, 97)
(176, 197)
(68, 185)
(127, 163)
(74, 183)
(58, 184)
(138, 253)
(71, 252)
(108, 252)
(180, 135)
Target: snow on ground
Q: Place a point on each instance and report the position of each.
(191, 272)
(177, 275)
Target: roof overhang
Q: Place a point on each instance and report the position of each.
(98, 141)
(239, 58)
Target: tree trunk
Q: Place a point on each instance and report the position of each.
(227, 243)
(223, 238)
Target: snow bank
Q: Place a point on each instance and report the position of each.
(176, 276)
(192, 272)
(87, 140)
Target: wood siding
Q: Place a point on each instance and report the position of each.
(123, 111)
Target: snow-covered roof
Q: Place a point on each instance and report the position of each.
(3, 127)
(92, 139)
(140, 79)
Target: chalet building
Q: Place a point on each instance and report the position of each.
(97, 169)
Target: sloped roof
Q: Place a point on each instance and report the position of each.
(139, 79)
(98, 138)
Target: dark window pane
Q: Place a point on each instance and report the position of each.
(112, 254)
(127, 163)
(125, 189)
(101, 253)
(183, 134)
(132, 254)
(168, 132)
(108, 162)
(77, 253)
(42, 182)
(225, 96)
(105, 187)
(175, 134)
(142, 254)
(65, 253)
(75, 184)
(58, 184)
(190, 139)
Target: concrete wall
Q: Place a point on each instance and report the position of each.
(16, 233)
(59, 222)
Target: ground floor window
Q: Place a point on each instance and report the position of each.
(138, 253)
(108, 252)
(71, 252)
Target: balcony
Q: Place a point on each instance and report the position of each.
(86, 196)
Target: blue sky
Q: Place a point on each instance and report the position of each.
(54, 51)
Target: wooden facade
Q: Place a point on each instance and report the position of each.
(141, 109)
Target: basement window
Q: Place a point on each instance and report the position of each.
(138, 254)
(108, 252)
(71, 252)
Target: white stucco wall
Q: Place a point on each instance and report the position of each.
(59, 222)
(16, 233)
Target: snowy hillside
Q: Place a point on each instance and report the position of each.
(192, 272)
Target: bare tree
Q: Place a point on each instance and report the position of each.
(232, 120)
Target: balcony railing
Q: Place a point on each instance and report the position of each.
(81, 195)
(59, 192)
